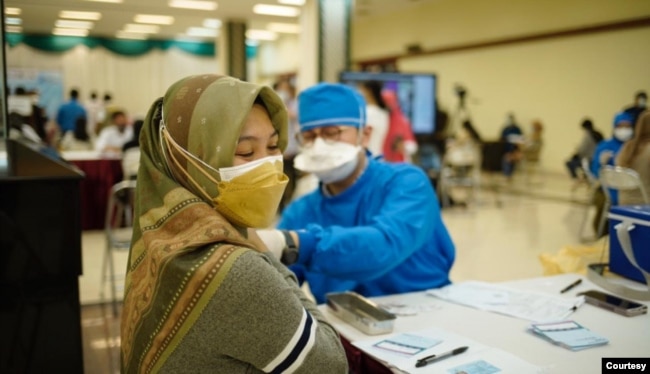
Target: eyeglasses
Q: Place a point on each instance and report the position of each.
(329, 134)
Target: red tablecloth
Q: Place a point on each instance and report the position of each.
(360, 362)
(101, 175)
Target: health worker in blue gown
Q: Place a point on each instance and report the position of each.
(371, 227)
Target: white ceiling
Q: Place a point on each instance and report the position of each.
(39, 16)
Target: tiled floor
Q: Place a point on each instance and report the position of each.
(499, 237)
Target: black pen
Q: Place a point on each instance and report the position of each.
(433, 358)
(572, 285)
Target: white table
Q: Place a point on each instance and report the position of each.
(628, 336)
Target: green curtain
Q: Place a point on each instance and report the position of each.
(55, 43)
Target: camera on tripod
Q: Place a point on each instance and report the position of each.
(461, 92)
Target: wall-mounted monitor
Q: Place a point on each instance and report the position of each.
(416, 93)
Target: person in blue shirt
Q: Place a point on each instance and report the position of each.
(607, 150)
(605, 154)
(69, 112)
(371, 227)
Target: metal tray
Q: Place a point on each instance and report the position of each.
(361, 313)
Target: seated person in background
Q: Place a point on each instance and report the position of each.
(586, 148)
(464, 149)
(131, 153)
(202, 293)
(605, 154)
(112, 138)
(77, 140)
(371, 227)
(512, 135)
(635, 155)
(135, 140)
(532, 145)
(18, 128)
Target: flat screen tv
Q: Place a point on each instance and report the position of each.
(416, 93)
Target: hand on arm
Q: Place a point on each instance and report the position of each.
(278, 242)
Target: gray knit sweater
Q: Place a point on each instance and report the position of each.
(259, 321)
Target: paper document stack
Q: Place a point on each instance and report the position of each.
(532, 306)
(568, 334)
(402, 351)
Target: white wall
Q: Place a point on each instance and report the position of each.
(278, 57)
(559, 81)
(134, 82)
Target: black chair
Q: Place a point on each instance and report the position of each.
(492, 162)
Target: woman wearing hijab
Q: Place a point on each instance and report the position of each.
(202, 293)
(635, 155)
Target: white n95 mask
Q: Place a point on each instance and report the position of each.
(330, 162)
(623, 133)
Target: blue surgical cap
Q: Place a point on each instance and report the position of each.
(327, 104)
(623, 117)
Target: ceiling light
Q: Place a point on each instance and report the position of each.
(13, 21)
(68, 24)
(142, 29)
(70, 32)
(107, 1)
(16, 29)
(261, 34)
(201, 31)
(129, 35)
(212, 23)
(12, 11)
(90, 16)
(276, 10)
(292, 2)
(153, 19)
(193, 4)
(287, 28)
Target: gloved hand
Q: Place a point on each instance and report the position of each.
(274, 241)
(605, 156)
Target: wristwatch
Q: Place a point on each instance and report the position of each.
(290, 253)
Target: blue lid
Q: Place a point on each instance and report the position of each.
(641, 212)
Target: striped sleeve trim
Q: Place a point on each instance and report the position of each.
(294, 353)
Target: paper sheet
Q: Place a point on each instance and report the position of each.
(477, 357)
(531, 306)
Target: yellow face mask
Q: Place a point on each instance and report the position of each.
(252, 198)
(249, 194)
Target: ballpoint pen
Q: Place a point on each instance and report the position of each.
(433, 358)
(572, 285)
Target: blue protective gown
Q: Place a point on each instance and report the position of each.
(383, 235)
(613, 145)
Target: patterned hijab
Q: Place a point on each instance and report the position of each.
(182, 248)
(632, 147)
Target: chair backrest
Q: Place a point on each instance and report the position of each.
(119, 212)
(492, 155)
(621, 179)
(131, 163)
